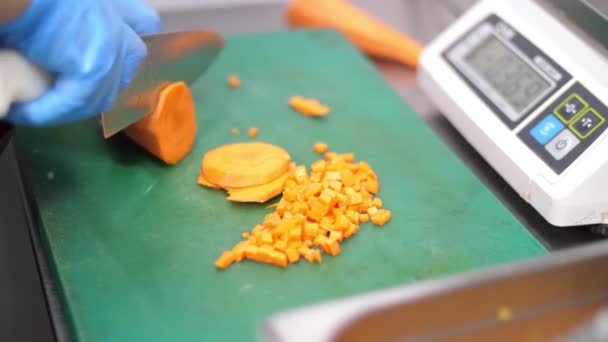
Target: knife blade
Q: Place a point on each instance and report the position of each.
(172, 57)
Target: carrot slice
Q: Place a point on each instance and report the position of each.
(170, 130)
(204, 182)
(259, 193)
(241, 165)
(308, 107)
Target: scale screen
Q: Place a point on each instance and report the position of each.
(511, 77)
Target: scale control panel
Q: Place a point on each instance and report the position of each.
(516, 79)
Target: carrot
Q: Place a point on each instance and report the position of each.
(204, 182)
(234, 81)
(367, 33)
(253, 132)
(169, 131)
(241, 165)
(320, 147)
(308, 107)
(318, 211)
(258, 193)
(225, 260)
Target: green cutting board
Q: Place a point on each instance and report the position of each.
(132, 241)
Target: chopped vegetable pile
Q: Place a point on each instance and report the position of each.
(318, 211)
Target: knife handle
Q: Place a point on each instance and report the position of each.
(20, 80)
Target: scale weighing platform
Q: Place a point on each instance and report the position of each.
(525, 82)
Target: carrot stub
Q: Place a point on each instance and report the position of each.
(308, 107)
(225, 260)
(169, 131)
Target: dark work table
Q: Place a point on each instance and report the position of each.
(29, 309)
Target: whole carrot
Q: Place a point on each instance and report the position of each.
(367, 33)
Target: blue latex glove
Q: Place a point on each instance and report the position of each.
(92, 48)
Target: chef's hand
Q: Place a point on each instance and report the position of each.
(91, 47)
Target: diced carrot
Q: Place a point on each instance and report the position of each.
(315, 215)
(320, 147)
(292, 255)
(225, 260)
(333, 246)
(307, 106)
(381, 217)
(234, 81)
(377, 202)
(253, 132)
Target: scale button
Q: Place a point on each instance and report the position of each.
(562, 144)
(546, 129)
(586, 124)
(568, 109)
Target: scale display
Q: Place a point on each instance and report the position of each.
(505, 70)
(511, 77)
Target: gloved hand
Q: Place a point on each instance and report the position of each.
(91, 47)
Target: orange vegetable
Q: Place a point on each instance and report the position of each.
(169, 131)
(313, 214)
(204, 182)
(225, 260)
(234, 81)
(320, 147)
(246, 164)
(308, 107)
(235, 131)
(253, 132)
(367, 33)
(258, 193)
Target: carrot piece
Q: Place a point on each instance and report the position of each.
(366, 32)
(205, 182)
(234, 81)
(363, 217)
(372, 186)
(169, 131)
(377, 202)
(253, 132)
(320, 147)
(381, 217)
(239, 251)
(308, 107)
(333, 246)
(292, 255)
(259, 193)
(245, 164)
(225, 260)
(235, 131)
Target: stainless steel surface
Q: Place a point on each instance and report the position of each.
(176, 56)
(541, 299)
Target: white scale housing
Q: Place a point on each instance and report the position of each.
(526, 83)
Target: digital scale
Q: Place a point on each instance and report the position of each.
(526, 83)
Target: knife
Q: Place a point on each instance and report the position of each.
(175, 56)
